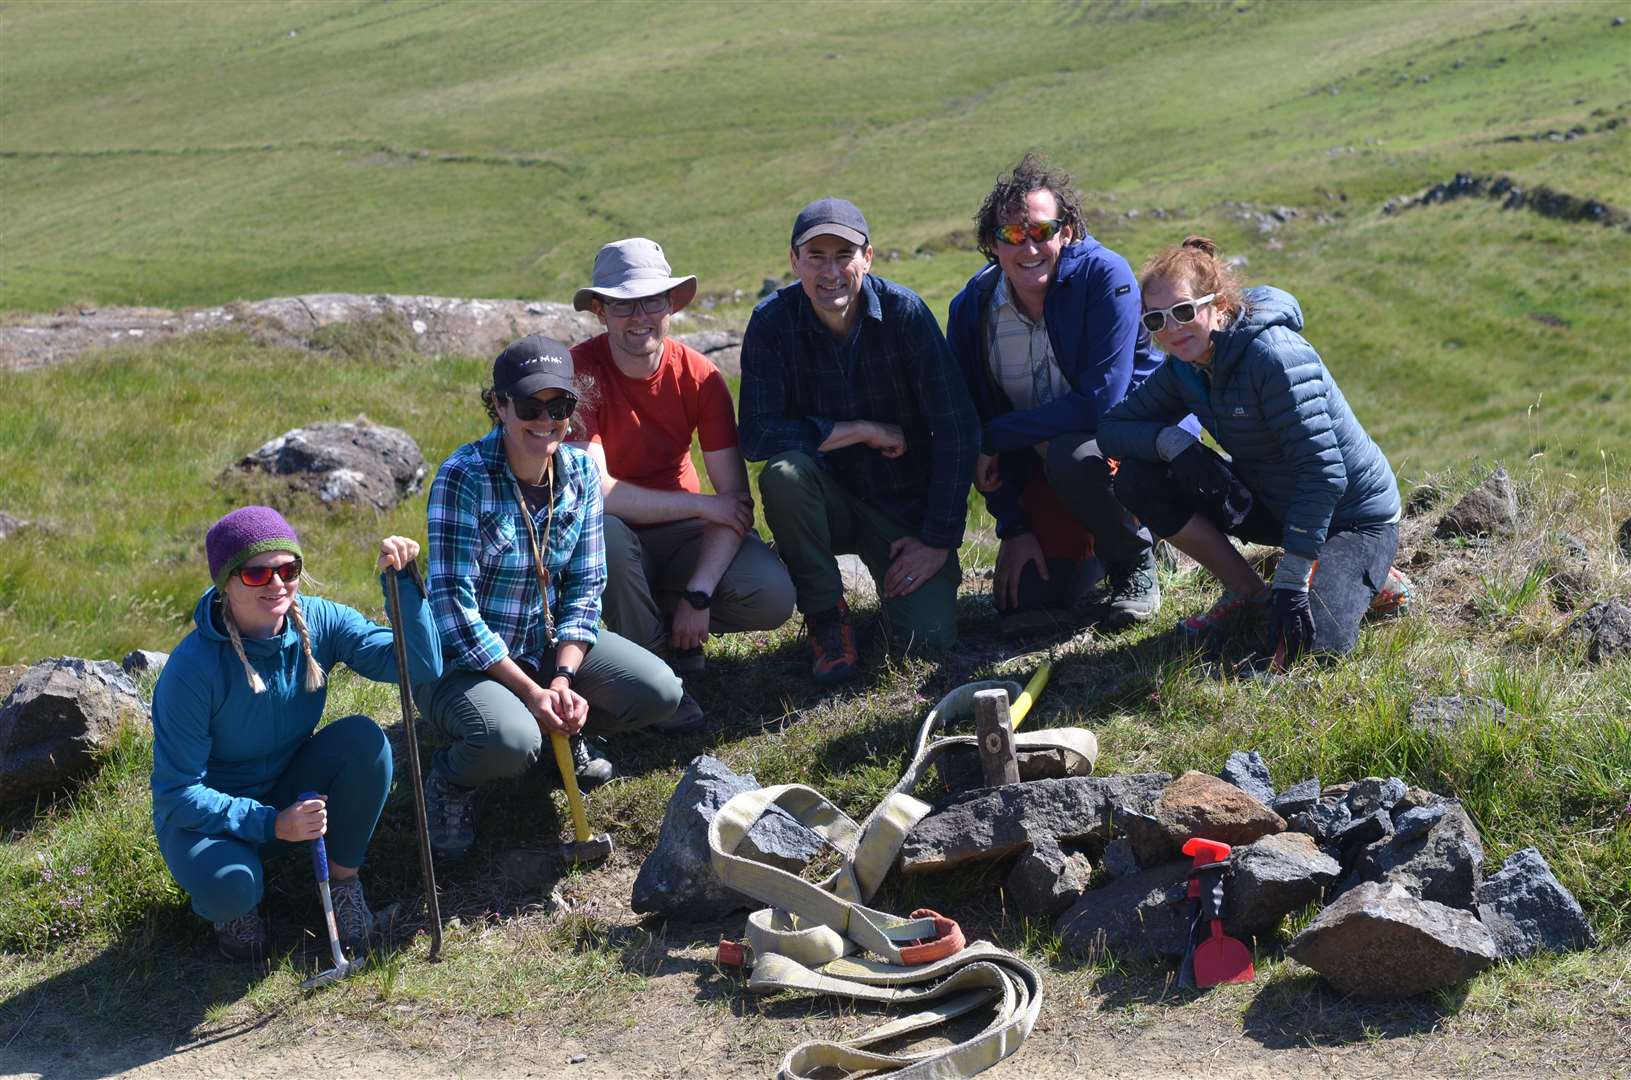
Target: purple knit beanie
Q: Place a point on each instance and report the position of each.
(243, 534)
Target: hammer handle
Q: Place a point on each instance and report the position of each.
(319, 851)
(569, 779)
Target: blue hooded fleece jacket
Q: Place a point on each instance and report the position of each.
(1272, 405)
(218, 746)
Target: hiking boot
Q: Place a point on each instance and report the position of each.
(687, 661)
(687, 719)
(591, 766)
(832, 643)
(1226, 607)
(351, 914)
(450, 815)
(1132, 595)
(1393, 597)
(243, 938)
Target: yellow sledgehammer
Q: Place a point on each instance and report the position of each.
(1033, 690)
(586, 848)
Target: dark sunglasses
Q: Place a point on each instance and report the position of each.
(257, 577)
(531, 408)
(1182, 312)
(1039, 231)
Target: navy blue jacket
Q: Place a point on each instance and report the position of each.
(1092, 318)
(1272, 405)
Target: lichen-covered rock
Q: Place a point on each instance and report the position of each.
(1528, 910)
(359, 462)
(56, 721)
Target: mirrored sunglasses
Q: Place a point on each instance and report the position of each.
(1039, 231)
(531, 408)
(258, 577)
(1183, 311)
(651, 305)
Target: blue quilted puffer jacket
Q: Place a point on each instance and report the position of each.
(1274, 408)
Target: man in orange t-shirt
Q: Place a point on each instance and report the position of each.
(681, 564)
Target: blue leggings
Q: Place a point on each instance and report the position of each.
(349, 761)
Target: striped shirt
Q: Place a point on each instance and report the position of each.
(1021, 354)
(483, 589)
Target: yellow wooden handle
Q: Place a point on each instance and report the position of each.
(569, 779)
(1032, 691)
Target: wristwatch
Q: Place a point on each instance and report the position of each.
(570, 674)
(698, 599)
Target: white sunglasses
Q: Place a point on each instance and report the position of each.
(1183, 311)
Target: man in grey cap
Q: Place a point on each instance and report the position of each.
(852, 397)
(681, 563)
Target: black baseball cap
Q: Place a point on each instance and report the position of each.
(831, 217)
(532, 364)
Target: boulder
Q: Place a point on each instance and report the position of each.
(1446, 715)
(1379, 943)
(991, 823)
(1528, 910)
(1249, 773)
(1296, 798)
(1272, 878)
(1605, 628)
(137, 661)
(358, 462)
(1199, 805)
(677, 879)
(1490, 509)
(1444, 865)
(1047, 879)
(1142, 914)
(56, 721)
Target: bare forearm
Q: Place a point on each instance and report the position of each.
(847, 433)
(714, 554)
(648, 506)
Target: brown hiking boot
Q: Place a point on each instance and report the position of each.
(832, 643)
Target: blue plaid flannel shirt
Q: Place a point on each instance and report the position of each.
(483, 591)
(896, 368)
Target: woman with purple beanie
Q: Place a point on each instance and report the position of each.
(235, 739)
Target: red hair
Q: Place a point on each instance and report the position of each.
(1196, 262)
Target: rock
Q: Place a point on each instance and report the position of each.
(767, 286)
(1199, 805)
(1445, 865)
(1148, 839)
(1415, 798)
(960, 769)
(1444, 716)
(1296, 798)
(857, 578)
(1605, 628)
(1323, 820)
(1046, 880)
(1142, 914)
(723, 348)
(58, 718)
(1490, 509)
(1418, 820)
(10, 523)
(1272, 878)
(1360, 832)
(677, 879)
(1249, 773)
(1118, 859)
(1528, 910)
(138, 661)
(359, 462)
(990, 823)
(1379, 943)
(1623, 538)
(1372, 794)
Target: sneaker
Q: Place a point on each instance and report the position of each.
(1394, 595)
(243, 938)
(832, 643)
(351, 914)
(591, 766)
(687, 661)
(1222, 610)
(687, 719)
(1134, 595)
(450, 816)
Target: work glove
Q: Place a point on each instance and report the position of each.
(1209, 476)
(1291, 631)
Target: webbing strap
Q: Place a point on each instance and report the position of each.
(820, 937)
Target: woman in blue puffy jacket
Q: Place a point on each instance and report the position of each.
(1302, 474)
(235, 739)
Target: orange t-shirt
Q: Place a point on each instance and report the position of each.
(645, 425)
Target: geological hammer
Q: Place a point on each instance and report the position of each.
(342, 966)
(586, 849)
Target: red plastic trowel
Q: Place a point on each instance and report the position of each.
(1213, 957)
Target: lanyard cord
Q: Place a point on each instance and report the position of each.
(537, 551)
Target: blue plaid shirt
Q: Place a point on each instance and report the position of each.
(798, 380)
(483, 590)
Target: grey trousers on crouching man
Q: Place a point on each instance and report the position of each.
(1351, 568)
(493, 736)
(648, 567)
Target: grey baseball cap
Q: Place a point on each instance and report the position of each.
(532, 364)
(831, 217)
(632, 268)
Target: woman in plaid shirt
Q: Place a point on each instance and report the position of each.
(517, 666)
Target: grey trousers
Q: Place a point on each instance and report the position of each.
(648, 566)
(492, 735)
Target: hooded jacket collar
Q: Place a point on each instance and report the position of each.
(211, 628)
(1266, 307)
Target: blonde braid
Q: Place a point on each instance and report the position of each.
(256, 683)
(314, 670)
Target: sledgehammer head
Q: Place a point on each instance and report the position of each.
(590, 852)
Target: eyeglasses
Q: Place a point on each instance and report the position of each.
(531, 408)
(258, 577)
(1182, 312)
(1039, 231)
(651, 305)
